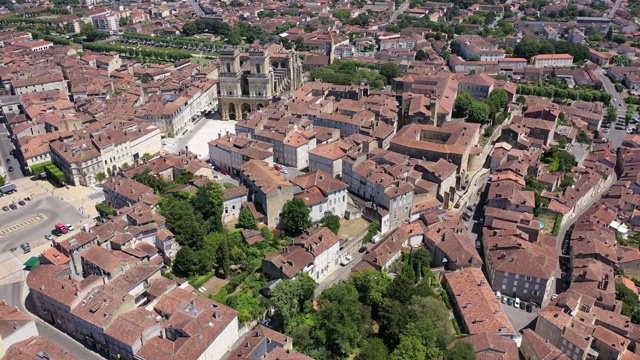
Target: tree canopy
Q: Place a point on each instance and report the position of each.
(332, 221)
(295, 217)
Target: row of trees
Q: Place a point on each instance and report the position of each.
(529, 47)
(346, 72)
(179, 41)
(135, 52)
(562, 94)
(373, 315)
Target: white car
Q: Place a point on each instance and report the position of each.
(284, 171)
(69, 227)
(347, 259)
(516, 303)
(554, 296)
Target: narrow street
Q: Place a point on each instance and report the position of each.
(5, 148)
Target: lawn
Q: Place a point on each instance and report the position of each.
(549, 221)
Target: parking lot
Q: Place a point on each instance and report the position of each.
(520, 319)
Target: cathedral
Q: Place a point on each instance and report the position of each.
(250, 81)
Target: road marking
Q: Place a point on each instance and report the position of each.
(22, 224)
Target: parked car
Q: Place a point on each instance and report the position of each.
(61, 228)
(8, 161)
(224, 172)
(362, 249)
(516, 303)
(498, 295)
(22, 203)
(347, 259)
(277, 167)
(11, 169)
(510, 301)
(471, 208)
(284, 171)
(13, 206)
(554, 296)
(5, 208)
(25, 247)
(504, 299)
(48, 236)
(529, 307)
(523, 305)
(69, 227)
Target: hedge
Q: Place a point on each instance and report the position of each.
(55, 174)
(38, 169)
(556, 225)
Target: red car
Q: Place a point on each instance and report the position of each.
(277, 167)
(224, 172)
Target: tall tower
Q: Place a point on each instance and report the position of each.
(260, 79)
(229, 79)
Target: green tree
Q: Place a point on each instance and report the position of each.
(340, 318)
(420, 55)
(295, 217)
(343, 15)
(372, 230)
(331, 221)
(609, 35)
(184, 264)
(158, 184)
(478, 112)
(500, 97)
(619, 39)
(463, 102)
(372, 287)
(2, 180)
(289, 299)
(189, 28)
(621, 60)
(209, 201)
(460, 351)
(390, 71)
(409, 348)
(521, 100)
(234, 38)
(246, 219)
(225, 258)
(101, 176)
(105, 210)
(182, 219)
(373, 349)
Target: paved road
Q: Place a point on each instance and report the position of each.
(54, 210)
(615, 7)
(614, 135)
(398, 11)
(196, 7)
(5, 148)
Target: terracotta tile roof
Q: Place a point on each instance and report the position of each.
(129, 327)
(317, 240)
(30, 349)
(320, 179)
(480, 310)
(263, 175)
(200, 319)
(542, 348)
(489, 346)
(291, 260)
(101, 257)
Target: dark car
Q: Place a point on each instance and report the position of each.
(362, 249)
(21, 203)
(523, 305)
(471, 208)
(529, 307)
(5, 208)
(10, 168)
(8, 161)
(25, 247)
(13, 206)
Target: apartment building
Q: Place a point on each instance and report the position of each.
(291, 145)
(106, 22)
(374, 182)
(33, 45)
(452, 142)
(52, 80)
(174, 114)
(520, 268)
(231, 151)
(322, 193)
(476, 304)
(552, 60)
(479, 85)
(16, 327)
(120, 192)
(268, 189)
(475, 45)
(83, 157)
(328, 157)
